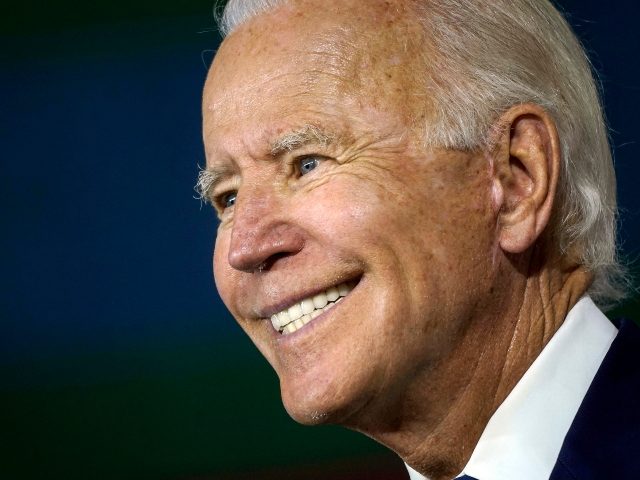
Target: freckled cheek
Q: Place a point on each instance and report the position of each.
(452, 221)
(465, 238)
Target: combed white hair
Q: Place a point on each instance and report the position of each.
(484, 57)
(237, 12)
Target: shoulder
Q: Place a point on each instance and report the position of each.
(604, 438)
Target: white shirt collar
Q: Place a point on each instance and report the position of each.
(524, 436)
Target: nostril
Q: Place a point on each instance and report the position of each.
(268, 263)
(262, 267)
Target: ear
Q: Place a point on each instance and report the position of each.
(526, 167)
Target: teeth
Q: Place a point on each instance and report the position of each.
(283, 317)
(298, 315)
(307, 306)
(333, 294)
(295, 312)
(320, 300)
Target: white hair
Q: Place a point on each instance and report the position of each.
(485, 57)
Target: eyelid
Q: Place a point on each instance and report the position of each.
(222, 196)
(296, 160)
(225, 187)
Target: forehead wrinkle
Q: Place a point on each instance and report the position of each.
(344, 51)
(245, 90)
(333, 48)
(248, 94)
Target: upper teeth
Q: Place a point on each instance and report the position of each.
(299, 314)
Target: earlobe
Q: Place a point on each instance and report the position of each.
(526, 168)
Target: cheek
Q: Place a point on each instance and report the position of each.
(347, 208)
(222, 273)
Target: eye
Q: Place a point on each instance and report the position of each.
(227, 200)
(306, 164)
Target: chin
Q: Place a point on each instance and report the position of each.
(316, 413)
(323, 402)
(310, 417)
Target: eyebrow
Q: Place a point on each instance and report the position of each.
(208, 178)
(308, 134)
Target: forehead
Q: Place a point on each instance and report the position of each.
(356, 45)
(320, 57)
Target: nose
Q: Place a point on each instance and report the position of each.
(261, 233)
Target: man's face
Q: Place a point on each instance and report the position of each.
(314, 125)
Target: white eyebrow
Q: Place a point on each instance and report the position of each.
(208, 178)
(299, 138)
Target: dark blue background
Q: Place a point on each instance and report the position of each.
(104, 244)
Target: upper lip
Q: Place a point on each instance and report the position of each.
(291, 299)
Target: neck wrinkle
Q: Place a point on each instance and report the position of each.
(550, 290)
(550, 293)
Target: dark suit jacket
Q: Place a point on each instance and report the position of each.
(604, 439)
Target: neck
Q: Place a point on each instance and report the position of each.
(439, 422)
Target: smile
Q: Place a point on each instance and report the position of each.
(299, 314)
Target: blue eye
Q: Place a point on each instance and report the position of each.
(228, 199)
(306, 164)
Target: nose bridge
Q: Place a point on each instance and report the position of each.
(257, 231)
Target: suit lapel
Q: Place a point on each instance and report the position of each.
(604, 438)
